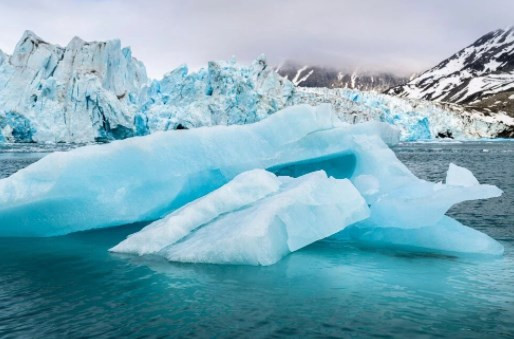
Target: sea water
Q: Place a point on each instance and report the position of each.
(71, 286)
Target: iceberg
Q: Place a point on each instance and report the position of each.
(144, 178)
(147, 178)
(415, 217)
(256, 218)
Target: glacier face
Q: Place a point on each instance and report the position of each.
(417, 120)
(147, 178)
(226, 93)
(87, 91)
(256, 218)
(96, 91)
(222, 94)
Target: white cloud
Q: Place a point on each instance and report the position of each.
(399, 35)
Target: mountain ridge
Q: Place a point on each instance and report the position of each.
(331, 77)
(470, 77)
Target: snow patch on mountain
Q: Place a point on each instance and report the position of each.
(481, 70)
(298, 78)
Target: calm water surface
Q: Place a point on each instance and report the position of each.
(72, 287)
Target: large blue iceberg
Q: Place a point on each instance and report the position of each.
(146, 178)
(256, 218)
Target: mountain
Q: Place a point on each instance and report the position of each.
(316, 76)
(96, 91)
(480, 76)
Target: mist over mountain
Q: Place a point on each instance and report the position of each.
(344, 77)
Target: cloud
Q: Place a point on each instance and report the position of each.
(397, 35)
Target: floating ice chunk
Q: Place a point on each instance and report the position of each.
(422, 203)
(460, 176)
(413, 215)
(261, 232)
(243, 190)
(447, 235)
(145, 178)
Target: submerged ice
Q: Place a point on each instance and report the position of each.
(256, 218)
(147, 178)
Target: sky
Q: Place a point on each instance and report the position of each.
(401, 36)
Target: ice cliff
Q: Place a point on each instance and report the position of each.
(96, 91)
(147, 178)
(224, 93)
(85, 92)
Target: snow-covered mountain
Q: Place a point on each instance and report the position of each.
(96, 91)
(316, 76)
(480, 76)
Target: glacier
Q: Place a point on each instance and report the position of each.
(147, 178)
(97, 91)
(257, 218)
(84, 92)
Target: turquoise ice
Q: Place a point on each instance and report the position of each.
(256, 218)
(146, 178)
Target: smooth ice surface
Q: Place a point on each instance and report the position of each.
(244, 189)
(414, 217)
(142, 179)
(446, 235)
(460, 176)
(424, 203)
(236, 224)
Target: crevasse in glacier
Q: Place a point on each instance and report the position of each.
(256, 218)
(96, 91)
(146, 178)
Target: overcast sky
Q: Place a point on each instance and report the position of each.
(394, 35)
